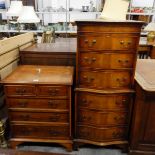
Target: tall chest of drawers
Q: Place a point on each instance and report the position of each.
(39, 104)
(106, 58)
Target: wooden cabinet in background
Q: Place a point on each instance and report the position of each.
(106, 58)
(39, 104)
(142, 138)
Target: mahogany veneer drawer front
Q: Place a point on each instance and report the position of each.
(98, 26)
(40, 117)
(104, 102)
(39, 104)
(105, 79)
(100, 60)
(20, 90)
(107, 42)
(40, 131)
(101, 134)
(52, 91)
(102, 118)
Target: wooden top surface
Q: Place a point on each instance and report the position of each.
(61, 45)
(145, 74)
(108, 21)
(33, 74)
(17, 152)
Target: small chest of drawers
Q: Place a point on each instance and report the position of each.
(39, 104)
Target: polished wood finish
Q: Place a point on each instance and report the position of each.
(143, 124)
(106, 58)
(39, 104)
(60, 53)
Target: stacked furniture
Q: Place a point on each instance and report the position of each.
(143, 124)
(39, 104)
(106, 59)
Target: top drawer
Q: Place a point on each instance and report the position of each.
(52, 91)
(108, 42)
(117, 27)
(20, 90)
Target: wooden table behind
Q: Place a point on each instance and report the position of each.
(62, 52)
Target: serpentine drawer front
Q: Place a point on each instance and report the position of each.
(106, 59)
(39, 104)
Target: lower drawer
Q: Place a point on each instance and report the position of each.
(102, 118)
(101, 134)
(39, 117)
(40, 131)
(37, 103)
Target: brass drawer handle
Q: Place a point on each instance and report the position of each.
(86, 41)
(54, 118)
(85, 102)
(122, 81)
(94, 41)
(85, 118)
(119, 118)
(23, 104)
(20, 91)
(53, 91)
(122, 42)
(117, 134)
(25, 117)
(52, 104)
(121, 103)
(93, 59)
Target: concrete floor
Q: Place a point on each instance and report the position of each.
(87, 150)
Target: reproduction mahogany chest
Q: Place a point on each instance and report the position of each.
(142, 139)
(106, 58)
(39, 104)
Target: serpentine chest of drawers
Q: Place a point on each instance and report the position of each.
(39, 104)
(106, 58)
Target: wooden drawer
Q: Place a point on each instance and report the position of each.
(103, 102)
(101, 134)
(40, 131)
(39, 117)
(28, 103)
(20, 90)
(107, 42)
(105, 118)
(112, 27)
(98, 60)
(105, 79)
(53, 91)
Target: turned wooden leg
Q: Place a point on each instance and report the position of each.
(14, 144)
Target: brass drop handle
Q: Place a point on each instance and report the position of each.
(20, 90)
(86, 41)
(122, 81)
(94, 41)
(93, 59)
(53, 91)
(118, 118)
(117, 134)
(129, 42)
(122, 42)
(25, 117)
(85, 118)
(23, 104)
(123, 62)
(52, 103)
(54, 118)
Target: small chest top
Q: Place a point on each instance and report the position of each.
(145, 74)
(33, 74)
